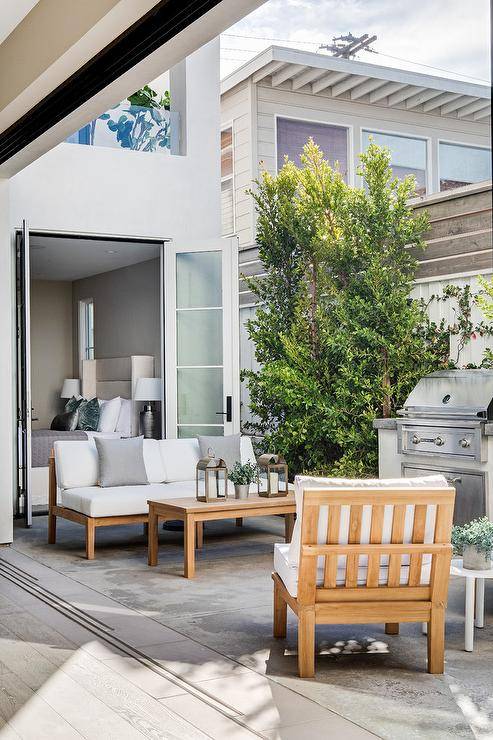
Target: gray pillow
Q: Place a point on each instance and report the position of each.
(228, 448)
(66, 422)
(121, 462)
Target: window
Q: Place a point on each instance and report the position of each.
(408, 156)
(462, 165)
(292, 136)
(86, 330)
(227, 183)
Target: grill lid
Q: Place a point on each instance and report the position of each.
(453, 393)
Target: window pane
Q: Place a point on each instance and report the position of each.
(200, 395)
(200, 337)
(226, 137)
(408, 155)
(463, 165)
(293, 135)
(198, 279)
(226, 162)
(227, 208)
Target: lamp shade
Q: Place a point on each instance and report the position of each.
(71, 387)
(148, 389)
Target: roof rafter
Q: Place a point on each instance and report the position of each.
(345, 85)
(401, 95)
(415, 100)
(365, 88)
(440, 100)
(454, 105)
(482, 114)
(473, 108)
(387, 89)
(309, 76)
(327, 80)
(285, 74)
(269, 69)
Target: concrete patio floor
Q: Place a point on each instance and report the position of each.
(197, 658)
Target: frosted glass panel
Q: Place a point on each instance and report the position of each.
(198, 279)
(194, 431)
(200, 395)
(200, 337)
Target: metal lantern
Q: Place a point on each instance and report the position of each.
(211, 478)
(272, 477)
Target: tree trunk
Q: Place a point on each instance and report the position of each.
(313, 308)
(387, 402)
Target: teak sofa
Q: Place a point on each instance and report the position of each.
(74, 492)
(364, 554)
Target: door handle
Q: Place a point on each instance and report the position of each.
(229, 409)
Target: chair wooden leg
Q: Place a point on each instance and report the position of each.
(306, 643)
(51, 529)
(280, 613)
(90, 538)
(436, 640)
(392, 628)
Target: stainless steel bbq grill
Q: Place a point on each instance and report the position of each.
(445, 426)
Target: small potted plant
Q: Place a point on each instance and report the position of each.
(242, 475)
(475, 542)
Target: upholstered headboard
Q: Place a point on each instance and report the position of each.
(116, 376)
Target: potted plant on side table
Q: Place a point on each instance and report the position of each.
(242, 476)
(475, 541)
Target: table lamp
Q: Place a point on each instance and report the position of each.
(148, 390)
(71, 387)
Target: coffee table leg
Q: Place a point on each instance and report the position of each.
(199, 535)
(189, 555)
(152, 538)
(480, 602)
(469, 627)
(288, 526)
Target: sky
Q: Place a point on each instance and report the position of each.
(452, 35)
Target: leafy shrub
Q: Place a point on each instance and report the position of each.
(478, 534)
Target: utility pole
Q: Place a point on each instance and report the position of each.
(347, 46)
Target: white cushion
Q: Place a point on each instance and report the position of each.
(109, 412)
(112, 501)
(153, 461)
(288, 572)
(124, 421)
(180, 458)
(76, 463)
(246, 451)
(302, 481)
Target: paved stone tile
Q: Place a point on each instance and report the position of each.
(152, 683)
(321, 730)
(207, 719)
(191, 661)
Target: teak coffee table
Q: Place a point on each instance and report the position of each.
(194, 513)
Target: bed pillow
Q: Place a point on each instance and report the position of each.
(109, 412)
(124, 423)
(89, 415)
(121, 462)
(66, 422)
(74, 403)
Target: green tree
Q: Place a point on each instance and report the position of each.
(338, 338)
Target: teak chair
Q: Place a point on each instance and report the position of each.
(380, 596)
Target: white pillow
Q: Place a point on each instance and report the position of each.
(180, 458)
(124, 423)
(108, 414)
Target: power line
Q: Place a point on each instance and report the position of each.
(316, 43)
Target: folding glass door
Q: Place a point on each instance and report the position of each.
(23, 319)
(202, 338)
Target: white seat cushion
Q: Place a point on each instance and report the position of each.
(302, 482)
(289, 572)
(112, 501)
(180, 458)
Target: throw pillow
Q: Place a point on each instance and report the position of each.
(89, 415)
(121, 462)
(108, 414)
(74, 403)
(227, 448)
(66, 422)
(124, 423)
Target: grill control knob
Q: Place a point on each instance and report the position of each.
(465, 442)
(415, 440)
(439, 441)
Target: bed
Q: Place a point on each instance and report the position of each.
(103, 379)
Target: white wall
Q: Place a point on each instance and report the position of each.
(112, 191)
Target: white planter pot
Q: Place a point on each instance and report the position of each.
(474, 560)
(242, 491)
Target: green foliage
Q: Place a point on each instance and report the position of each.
(478, 534)
(339, 341)
(146, 97)
(243, 474)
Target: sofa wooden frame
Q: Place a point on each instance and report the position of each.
(390, 603)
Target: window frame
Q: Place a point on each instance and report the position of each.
(349, 144)
(227, 178)
(84, 347)
(457, 143)
(406, 135)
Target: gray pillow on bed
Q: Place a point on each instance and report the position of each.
(121, 462)
(66, 422)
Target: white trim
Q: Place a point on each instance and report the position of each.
(349, 142)
(427, 139)
(457, 143)
(224, 127)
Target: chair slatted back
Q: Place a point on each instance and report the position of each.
(373, 568)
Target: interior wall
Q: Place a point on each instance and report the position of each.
(126, 311)
(51, 347)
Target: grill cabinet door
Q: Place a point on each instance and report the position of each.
(470, 494)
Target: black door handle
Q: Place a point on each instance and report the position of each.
(229, 409)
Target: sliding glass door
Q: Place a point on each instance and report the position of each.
(23, 321)
(202, 338)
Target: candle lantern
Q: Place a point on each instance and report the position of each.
(211, 478)
(273, 476)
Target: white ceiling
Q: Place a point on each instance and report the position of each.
(65, 258)
(12, 13)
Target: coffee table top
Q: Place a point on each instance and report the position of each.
(190, 504)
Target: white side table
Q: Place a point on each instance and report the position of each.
(474, 598)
